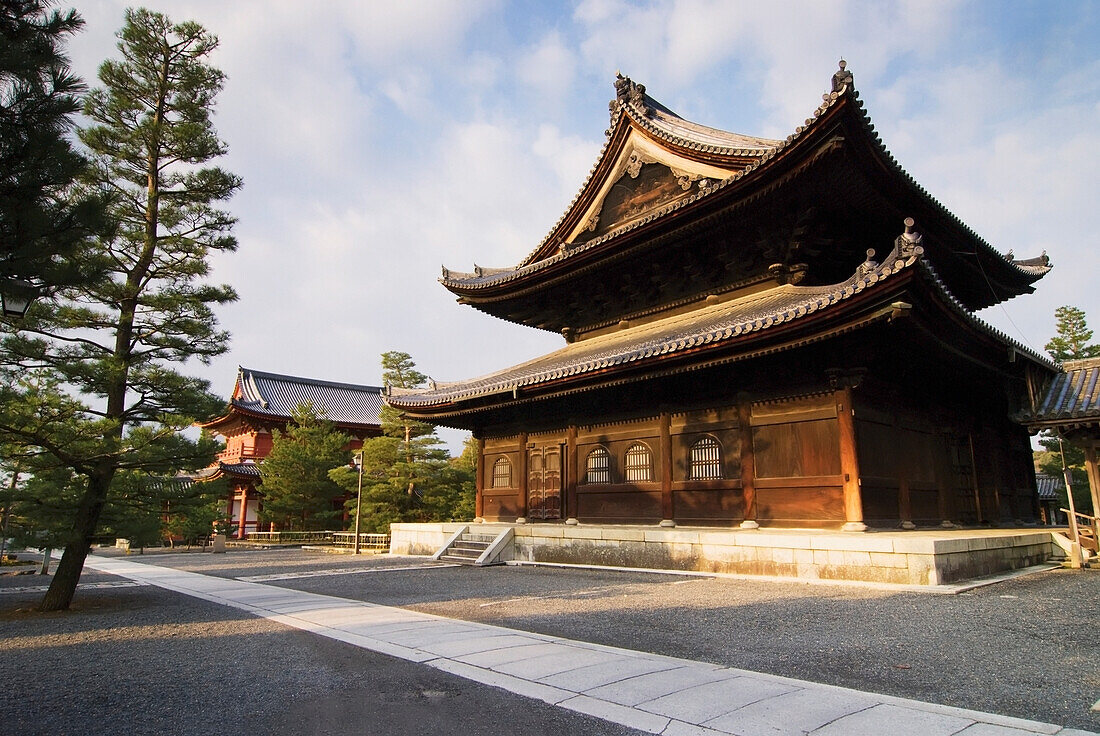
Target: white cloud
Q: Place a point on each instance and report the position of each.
(379, 141)
(548, 69)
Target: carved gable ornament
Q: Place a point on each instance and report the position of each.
(645, 179)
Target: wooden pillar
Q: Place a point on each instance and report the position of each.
(748, 464)
(244, 513)
(999, 460)
(667, 510)
(479, 481)
(570, 467)
(974, 479)
(522, 504)
(944, 481)
(905, 503)
(849, 462)
(1094, 475)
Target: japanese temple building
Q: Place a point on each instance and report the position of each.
(262, 402)
(757, 333)
(1070, 408)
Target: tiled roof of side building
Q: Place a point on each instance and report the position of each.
(221, 468)
(1048, 486)
(277, 396)
(1073, 395)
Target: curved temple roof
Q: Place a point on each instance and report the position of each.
(275, 396)
(741, 157)
(703, 328)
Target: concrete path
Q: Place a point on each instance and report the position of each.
(649, 692)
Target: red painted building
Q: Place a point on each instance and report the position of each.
(263, 402)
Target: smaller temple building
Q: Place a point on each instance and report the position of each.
(1070, 408)
(263, 402)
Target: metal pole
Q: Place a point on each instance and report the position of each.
(358, 500)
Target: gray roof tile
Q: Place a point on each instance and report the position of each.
(277, 396)
(1073, 395)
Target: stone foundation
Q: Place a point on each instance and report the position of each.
(897, 557)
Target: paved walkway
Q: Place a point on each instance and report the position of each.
(649, 692)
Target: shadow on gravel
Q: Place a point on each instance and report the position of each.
(133, 663)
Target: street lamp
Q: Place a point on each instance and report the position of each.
(357, 460)
(16, 296)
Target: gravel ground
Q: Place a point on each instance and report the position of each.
(141, 660)
(1027, 647)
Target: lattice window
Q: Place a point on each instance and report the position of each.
(502, 473)
(639, 464)
(706, 459)
(598, 466)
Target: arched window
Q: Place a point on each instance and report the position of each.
(502, 473)
(639, 464)
(598, 466)
(706, 459)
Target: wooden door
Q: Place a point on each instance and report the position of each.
(544, 482)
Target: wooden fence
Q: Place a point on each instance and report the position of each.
(345, 540)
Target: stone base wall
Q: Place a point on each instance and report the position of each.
(905, 558)
(422, 539)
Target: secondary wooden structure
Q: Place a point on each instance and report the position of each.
(262, 402)
(758, 332)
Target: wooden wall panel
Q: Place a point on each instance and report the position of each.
(708, 506)
(924, 500)
(597, 504)
(825, 503)
(795, 449)
(500, 505)
(880, 502)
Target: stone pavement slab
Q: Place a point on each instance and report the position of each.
(652, 693)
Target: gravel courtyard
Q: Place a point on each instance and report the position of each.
(1027, 647)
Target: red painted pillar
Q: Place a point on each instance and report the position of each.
(244, 513)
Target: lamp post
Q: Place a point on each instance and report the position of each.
(357, 459)
(16, 296)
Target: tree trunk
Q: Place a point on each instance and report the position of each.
(63, 586)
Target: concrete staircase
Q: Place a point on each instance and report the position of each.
(477, 548)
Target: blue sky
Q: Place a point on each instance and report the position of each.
(381, 140)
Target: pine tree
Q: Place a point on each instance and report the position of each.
(298, 493)
(407, 473)
(1073, 336)
(117, 341)
(42, 218)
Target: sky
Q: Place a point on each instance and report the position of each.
(379, 141)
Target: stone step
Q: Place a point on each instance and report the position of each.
(462, 544)
(458, 560)
(459, 552)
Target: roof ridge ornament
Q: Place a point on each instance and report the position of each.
(908, 243)
(628, 92)
(843, 77)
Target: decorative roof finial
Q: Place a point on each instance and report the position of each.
(908, 243)
(843, 77)
(627, 92)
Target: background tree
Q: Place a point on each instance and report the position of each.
(298, 493)
(407, 473)
(1071, 342)
(1073, 336)
(117, 341)
(42, 220)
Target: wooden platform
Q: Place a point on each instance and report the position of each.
(919, 557)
